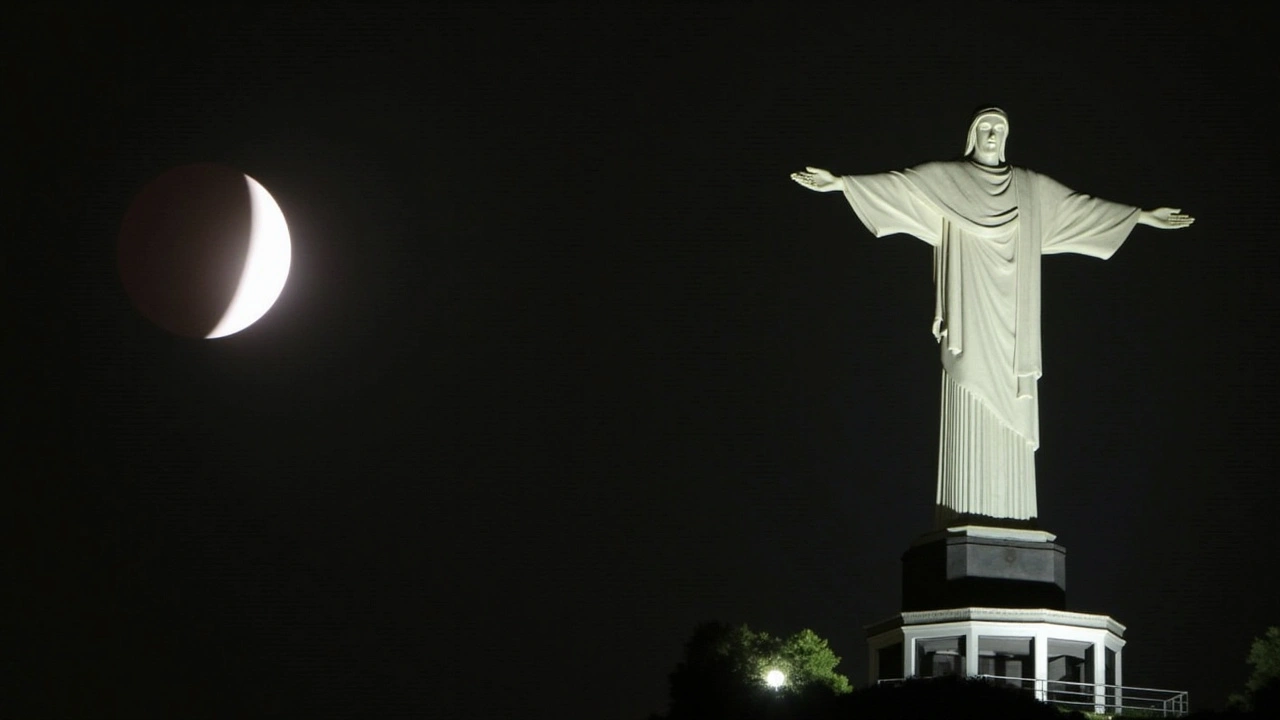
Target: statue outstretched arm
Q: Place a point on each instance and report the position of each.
(1165, 218)
(818, 180)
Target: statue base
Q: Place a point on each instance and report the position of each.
(989, 600)
(977, 566)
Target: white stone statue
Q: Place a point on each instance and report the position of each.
(988, 223)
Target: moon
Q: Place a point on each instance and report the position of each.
(204, 251)
(265, 269)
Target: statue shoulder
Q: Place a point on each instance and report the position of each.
(937, 170)
(939, 166)
(1040, 180)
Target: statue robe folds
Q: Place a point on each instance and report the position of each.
(988, 227)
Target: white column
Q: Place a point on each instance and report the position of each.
(1119, 677)
(1099, 676)
(1040, 651)
(971, 652)
(908, 657)
(873, 665)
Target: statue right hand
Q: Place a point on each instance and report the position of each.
(818, 179)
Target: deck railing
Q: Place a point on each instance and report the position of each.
(1097, 698)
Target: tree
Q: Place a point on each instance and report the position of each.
(809, 663)
(724, 670)
(1262, 691)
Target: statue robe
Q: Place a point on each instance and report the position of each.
(988, 227)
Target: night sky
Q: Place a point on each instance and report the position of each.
(566, 364)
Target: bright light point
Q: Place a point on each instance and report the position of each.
(265, 269)
(775, 679)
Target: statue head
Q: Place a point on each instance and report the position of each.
(988, 134)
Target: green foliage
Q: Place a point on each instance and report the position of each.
(1262, 690)
(1264, 656)
(724, 668)
(807, 661)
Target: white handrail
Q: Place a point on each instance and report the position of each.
(1101, 697)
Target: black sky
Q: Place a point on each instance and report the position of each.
(566, 365)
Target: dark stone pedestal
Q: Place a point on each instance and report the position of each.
(984, 567)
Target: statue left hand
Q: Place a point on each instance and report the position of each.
(1165, 218)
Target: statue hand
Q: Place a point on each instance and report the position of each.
(818, 179)
(1165, 218)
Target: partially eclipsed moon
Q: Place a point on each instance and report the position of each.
(204, 251)
(265, 268)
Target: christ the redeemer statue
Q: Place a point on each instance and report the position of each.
(988, 223)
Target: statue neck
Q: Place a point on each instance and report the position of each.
(991, 160)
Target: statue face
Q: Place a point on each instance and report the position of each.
(989, 135)
(991, 131)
